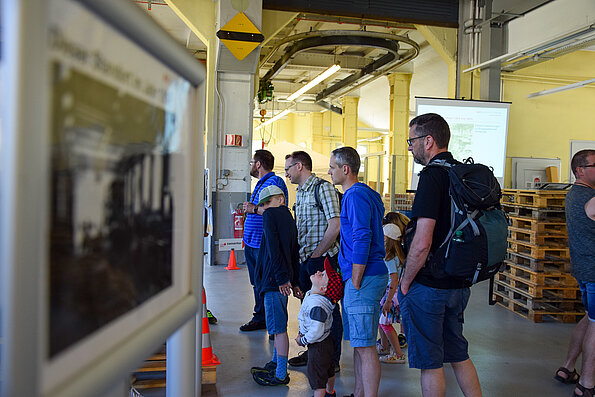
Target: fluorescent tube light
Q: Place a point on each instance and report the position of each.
(560, 89)
(274, 118)
(317, 80)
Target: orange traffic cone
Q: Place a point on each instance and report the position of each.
(232, 261)
(208, 357)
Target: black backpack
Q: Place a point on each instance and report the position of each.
(475, 246)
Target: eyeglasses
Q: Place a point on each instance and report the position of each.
(587, 166)
(291, 165)
(252, 162)
(410, 140)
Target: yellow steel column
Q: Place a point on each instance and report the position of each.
(399, 120)
(350, 120)
(317, 131)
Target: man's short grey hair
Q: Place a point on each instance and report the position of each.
(580, 159)
(347, 155)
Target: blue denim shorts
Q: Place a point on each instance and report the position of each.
(361, 310)
(275, 311)
(433, 322)
(588, 293)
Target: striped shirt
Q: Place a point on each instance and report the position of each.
(253, 223)
(311, 222)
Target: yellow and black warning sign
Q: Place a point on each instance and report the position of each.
(240, 36)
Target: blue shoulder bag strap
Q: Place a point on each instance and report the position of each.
(258, 186)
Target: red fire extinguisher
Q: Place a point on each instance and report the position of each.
(238, 223)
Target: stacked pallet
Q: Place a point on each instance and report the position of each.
(152, 374)
(536, 281)
(400, 201)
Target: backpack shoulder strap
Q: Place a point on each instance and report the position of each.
(317, 193)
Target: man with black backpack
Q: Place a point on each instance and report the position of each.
(317, 211)
(432, 302)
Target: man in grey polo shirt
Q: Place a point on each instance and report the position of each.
(318, 226)
(580, 219)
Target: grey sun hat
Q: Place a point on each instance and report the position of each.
(392, 231)
(268, 192)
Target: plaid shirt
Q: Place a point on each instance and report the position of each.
(311, 222)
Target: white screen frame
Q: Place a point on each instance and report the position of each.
(428, 101)
(96, 362)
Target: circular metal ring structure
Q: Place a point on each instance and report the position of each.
(394, 57)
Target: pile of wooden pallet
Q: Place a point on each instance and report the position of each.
(400, 201)
(536, 281)
(152, 374)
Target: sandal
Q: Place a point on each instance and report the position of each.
(571, 376)
(381, 350)
(586, 392)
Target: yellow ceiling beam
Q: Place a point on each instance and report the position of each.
(442, 40)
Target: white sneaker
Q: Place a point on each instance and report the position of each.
(394, 358)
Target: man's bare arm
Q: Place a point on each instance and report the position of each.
(330, 235)
(420, 247)
(590, 208)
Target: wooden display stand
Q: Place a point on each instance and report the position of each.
(536, 282)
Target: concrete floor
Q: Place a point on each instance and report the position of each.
(513, 356)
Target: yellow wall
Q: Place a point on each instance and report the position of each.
(299, 128)
(543, 126)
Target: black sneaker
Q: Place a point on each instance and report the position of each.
(212, 319)
(337, 368)
(327, 394)
(402, 341)
(300, 360)
(253, 326)
(269, 379)
(268, 367)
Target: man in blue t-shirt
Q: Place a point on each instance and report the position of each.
(362, 264)
(261, 167)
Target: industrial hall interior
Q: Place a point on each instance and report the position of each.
(181, 184)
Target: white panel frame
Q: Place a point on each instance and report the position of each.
(520, 164)
(24, 223)
(462, 103)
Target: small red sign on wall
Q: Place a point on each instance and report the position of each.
(233, 140)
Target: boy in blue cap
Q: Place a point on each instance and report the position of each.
(276, 275)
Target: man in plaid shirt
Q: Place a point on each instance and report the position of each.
(318, 226)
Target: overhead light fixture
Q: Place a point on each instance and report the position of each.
(274, 118)
(317, 80)
(560, 89)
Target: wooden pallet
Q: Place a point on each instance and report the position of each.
(538, 316)
(537, 251)
(536, 291)
(549, 302)
(548, 264)
(537, 238)
(535, 198)
(539, 278)
(537, 226)
(549, 214)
